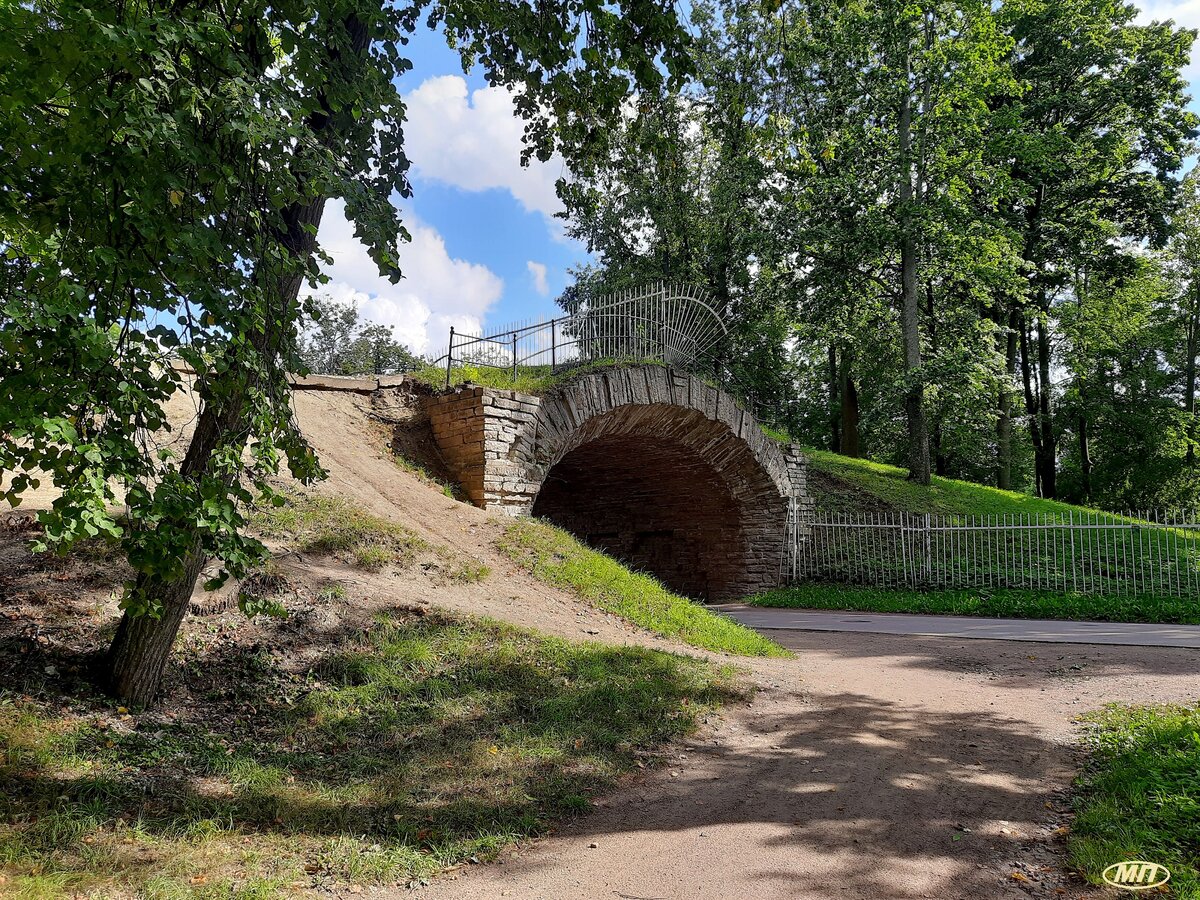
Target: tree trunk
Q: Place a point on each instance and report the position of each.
(1189, 387)
(1049, 457)
(1085, 459)
(835, 411)
(1031, 402)
(850, 445)
(940, 464)
(142, 645)
(910, 311)
(1004, 407)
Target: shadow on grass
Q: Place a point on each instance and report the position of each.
(419, 743)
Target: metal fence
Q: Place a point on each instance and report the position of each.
(667, 323)
(1142, 553)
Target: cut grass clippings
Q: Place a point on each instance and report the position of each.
(554, 556)
(1000, 603)
(424, 742)
(1139, 796)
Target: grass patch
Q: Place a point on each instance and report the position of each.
(889, 485)
(469, 572)
(331, 526)
(423, 742)
(528, 380)
(1002, 603)
(450, 489)
(554, 556)
(1139, 797)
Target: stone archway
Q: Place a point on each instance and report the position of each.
(651, 465)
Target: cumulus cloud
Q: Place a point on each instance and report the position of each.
(472, 140)
(1183, 12)
(537, 271)
(437, 291)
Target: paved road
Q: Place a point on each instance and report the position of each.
(1054, 632)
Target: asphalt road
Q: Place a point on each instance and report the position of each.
(1041, 630)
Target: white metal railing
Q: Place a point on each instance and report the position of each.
(1141, 553)
(667, 323)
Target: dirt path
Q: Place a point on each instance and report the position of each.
(857, 774)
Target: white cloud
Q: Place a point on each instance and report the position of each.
(1185, 13)
(537, 271)
(437, 291)
(472, 140)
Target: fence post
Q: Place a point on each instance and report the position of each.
(449, 357)
(553, 344)
(514, 357)
(928, 557)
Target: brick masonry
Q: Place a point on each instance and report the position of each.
(652, 465)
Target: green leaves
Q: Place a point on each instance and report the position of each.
(159, 163)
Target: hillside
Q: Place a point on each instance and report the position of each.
(1025, 568)
(844, 484)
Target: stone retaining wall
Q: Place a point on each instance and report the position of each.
(652, 465)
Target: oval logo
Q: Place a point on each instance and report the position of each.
(1136, 875)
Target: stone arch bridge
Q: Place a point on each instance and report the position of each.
(649, 464)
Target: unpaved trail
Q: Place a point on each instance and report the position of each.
(871, 767)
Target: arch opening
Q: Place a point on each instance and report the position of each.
(657, 505)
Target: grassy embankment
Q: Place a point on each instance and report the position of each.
(417, 744)
(841, 484)
(556, 557)
(409, 745)
(331, 526)
(1139, 796)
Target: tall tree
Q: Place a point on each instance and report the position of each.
(1097, 128)
(168, 166)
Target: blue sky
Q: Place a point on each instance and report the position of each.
(486, 250)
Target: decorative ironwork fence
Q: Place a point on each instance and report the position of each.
(1144, 553)
(667, 323)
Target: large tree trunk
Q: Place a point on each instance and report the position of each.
(1049, 455)
(1004, 407)
(835, 403)
(910, 309)
(1031, 402)
(910, 305)
(142, 645)
(850, 445)
(1085, 459)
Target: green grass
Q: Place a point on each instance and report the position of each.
(554, 556)
(1004, 603)
(1139, 797)
(529, 379)
(451, 489)
(888, 487)
(420, 743)
(331, 526)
